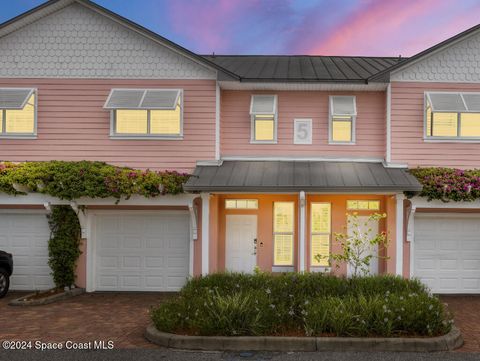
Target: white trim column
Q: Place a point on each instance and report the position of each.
(301, 230)
(205, 232)
(399, 234)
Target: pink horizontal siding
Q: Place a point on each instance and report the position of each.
(370, 129)
(408, 145)
(72, 125)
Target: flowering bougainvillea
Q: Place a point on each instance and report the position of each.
(449, 184)
(73, 180)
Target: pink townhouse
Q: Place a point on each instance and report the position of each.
(282, 150)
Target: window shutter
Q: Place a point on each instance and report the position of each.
(124, 99)
(263, 104)
(160, 99)
(472, 100)
(450, 102)
(343, 105)
(14, 98)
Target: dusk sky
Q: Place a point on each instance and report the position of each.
(317, 27)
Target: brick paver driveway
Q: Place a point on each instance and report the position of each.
(467, 318)
(120, 317)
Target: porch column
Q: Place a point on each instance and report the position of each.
(399, 234)
(301, 231)
(205, 232)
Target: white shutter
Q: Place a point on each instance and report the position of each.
(343, 105)
(472, 100)
(263, 104)
(14, 98)
(446, 102)
(124, 99)
(161, 99)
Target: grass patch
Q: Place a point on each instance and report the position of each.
(234, 304)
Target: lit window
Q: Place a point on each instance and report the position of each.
(263, 111)
(343, 112)
(363, 205)
(241, 204)
(146, 112)
(283, 229)
(320, 230)
(17, 112)
(452, 115)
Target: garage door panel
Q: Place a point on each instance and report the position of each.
(446, 256)
(152, 253)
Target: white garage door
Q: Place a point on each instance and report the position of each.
(142, 252)
(447, 252)
(26, 237)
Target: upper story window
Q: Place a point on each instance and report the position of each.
(145, 113)
(17, 113)
(343, 111)
(263, 111)
(454, 116)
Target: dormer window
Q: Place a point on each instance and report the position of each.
(343, 111)
(146, 113)
(263, 112)
(452, 116)
(17, 113)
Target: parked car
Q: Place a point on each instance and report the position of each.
(6, 269)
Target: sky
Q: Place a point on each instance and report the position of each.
(313, 27)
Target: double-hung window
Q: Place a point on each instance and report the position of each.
(263, 113)
(145, 113)
(320, 231)
(343, 112)
(452, 116)
(17, 112)
(283, 231)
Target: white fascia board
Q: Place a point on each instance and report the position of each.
(422, 202)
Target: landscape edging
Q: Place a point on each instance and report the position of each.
(45, 301)
(448, 342)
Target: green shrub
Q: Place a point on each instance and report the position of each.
(309, 304)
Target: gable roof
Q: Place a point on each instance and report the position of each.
(52, 6)
(303, 68)
(425, 53)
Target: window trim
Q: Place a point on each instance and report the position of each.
(284, 233)
(352, 116)
(437, 139)
(320, 234)
(275, 121)
(33, 135)
(147, 136)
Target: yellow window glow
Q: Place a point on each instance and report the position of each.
(131, 121)
(320, 226)
(21, 120)
(1, 120)
(264, 127)
(429, 121)
(444, 125)
(361, 205)
(283, 250)
(470, 125)
(165, 122)
(342, 129)
(283, 228)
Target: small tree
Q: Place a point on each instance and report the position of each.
(358, 245)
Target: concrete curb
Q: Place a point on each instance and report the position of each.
(45, 301)
(448, 342)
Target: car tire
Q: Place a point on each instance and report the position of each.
(4, 282)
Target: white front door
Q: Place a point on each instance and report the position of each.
(240, 248)
(370, 228)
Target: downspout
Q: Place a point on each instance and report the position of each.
(388, 157)
(217, 122)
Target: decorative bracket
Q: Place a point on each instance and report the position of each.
(193, 220)
(411, 224)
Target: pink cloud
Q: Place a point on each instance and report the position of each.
(373, 29)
